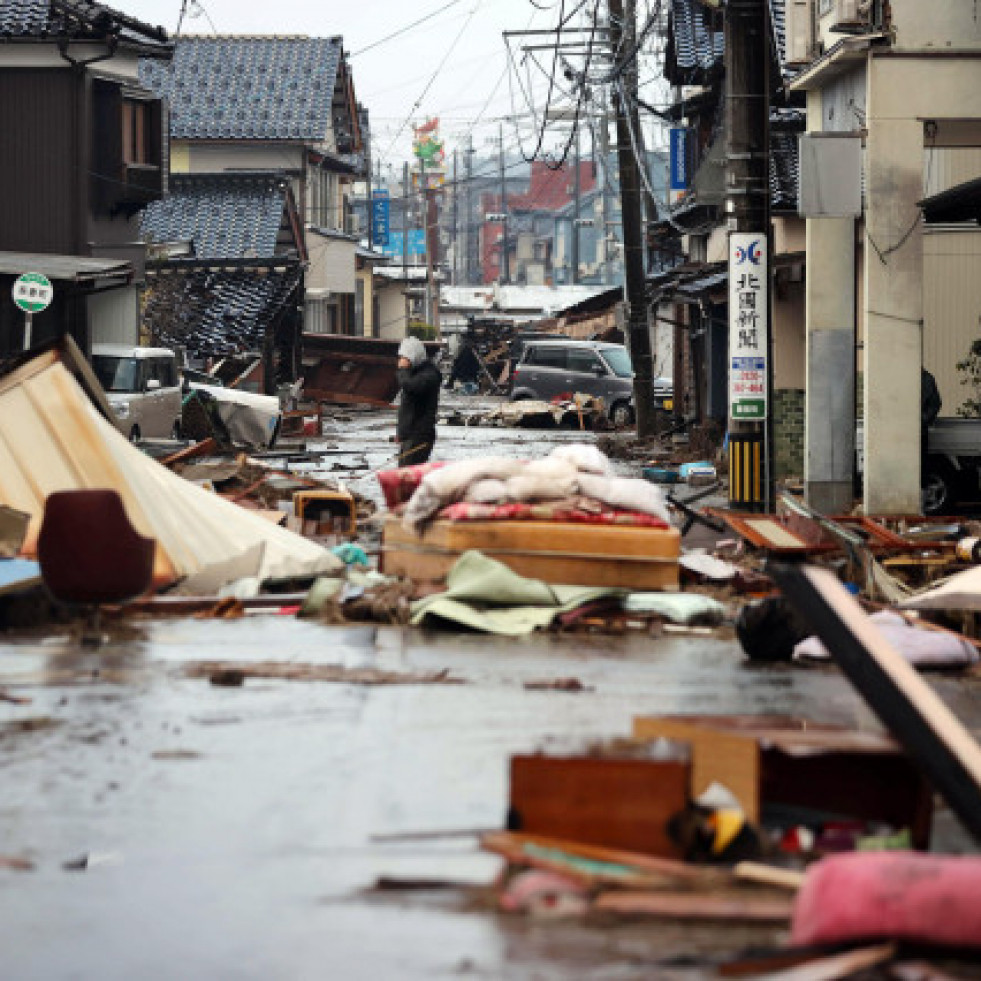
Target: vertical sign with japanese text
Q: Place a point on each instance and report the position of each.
(748, 299)
(679, 162)
(380, 210)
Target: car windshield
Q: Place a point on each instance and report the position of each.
(116, 374)
(618, 360)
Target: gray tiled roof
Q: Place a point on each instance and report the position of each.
(216, 312)
(695, 49)
(240, 88)
(226, 216)
(43, 19)
(694, 46)
(784, 179)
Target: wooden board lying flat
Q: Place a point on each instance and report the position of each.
(906, 704)
(693, 906)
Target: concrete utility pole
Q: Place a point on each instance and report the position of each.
(456, 223)
(622, 35)
(405, 244)
(577, 197)
(747, 68)
(505, 267)
(432, 258)
(604, 134)
(468, 225)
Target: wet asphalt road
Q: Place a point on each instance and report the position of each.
(231, 829)
(230, 832)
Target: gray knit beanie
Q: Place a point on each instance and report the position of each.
(413, 349)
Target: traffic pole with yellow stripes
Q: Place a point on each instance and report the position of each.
(747, 470)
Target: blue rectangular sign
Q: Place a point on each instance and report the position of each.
(417, 244)
(380, 210)
(679, 158)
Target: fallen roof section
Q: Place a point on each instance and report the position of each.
(53, 438)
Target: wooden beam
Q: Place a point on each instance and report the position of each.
(912, 711)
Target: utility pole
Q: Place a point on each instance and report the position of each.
(456, 223)
(577, 197)
(747, 68)
(432, 257)
(405, 244)
(505, 267)
(622, 34)
(368, 188)
(605, 171)
(468, 224)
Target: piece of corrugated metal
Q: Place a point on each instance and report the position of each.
(52, 438)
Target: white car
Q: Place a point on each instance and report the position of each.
(143, 387)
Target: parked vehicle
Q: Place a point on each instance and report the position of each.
(953, 468)
(549, 369)
(143, 387)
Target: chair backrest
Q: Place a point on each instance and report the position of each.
(89, 551)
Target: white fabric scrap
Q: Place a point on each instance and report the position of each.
(584, 457)
(703, 564)
(922, 648)
(683, 608)
(631, 494)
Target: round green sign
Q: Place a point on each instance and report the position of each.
(32, 292)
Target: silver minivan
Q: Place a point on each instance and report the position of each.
(550, 369)
(144, 389)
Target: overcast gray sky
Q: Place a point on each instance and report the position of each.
(390, 77)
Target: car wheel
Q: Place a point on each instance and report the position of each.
(134, 434)
(939, 483)
(622, 414)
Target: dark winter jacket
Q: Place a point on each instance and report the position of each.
(420, 399)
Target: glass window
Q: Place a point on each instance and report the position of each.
(547, 357)
(619, 361)
(116, 374)
(584, 361)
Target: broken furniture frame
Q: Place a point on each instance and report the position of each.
(903, 701)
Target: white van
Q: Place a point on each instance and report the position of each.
(144, 389)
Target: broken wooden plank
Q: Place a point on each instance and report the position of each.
(334, 673)
(912, 711)
(696, 906)
(559, 855)
(769, 875)
(836, 966)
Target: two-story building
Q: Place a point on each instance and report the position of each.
(900, 80)
(282, 105)
(82, 152)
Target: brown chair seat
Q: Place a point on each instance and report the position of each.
(88, 550)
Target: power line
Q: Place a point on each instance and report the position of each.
(406, 29)
(432, 79)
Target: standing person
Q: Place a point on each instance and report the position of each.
(419, 381)
(930, 403)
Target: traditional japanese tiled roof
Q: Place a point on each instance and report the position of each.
(225, 216)
(784, 178)
(216, 311)
(696, 43)
(248, 88)
(48, 20)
